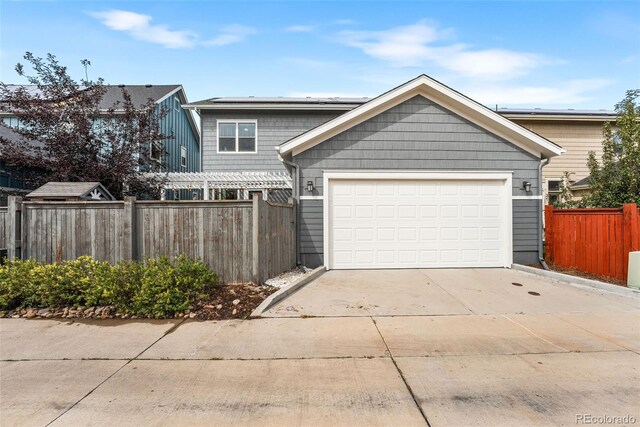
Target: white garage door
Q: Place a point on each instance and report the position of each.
(418, 223)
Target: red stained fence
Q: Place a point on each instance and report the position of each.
(596, 241)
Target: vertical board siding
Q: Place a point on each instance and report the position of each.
(596, 241)
(177, 124)
(419, 135)
(220, 233)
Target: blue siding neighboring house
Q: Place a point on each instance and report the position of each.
(182, 149)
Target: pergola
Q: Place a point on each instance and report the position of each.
(243, 182)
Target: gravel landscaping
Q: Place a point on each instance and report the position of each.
(229, 302)
(288, 277)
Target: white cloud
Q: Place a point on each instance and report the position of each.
(139, 26)
(230, 34)
(300, 28)
(423, 43)
(572, 92)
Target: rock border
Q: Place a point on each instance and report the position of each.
(287, 290)
(579, 282)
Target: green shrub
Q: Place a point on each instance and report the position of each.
(155, 288)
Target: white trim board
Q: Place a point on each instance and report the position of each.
(403, 175)
(512, 197)
(441, 95)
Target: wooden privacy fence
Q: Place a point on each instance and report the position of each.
(242, 241)
(596, 241)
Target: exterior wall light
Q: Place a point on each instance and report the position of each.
(526, 185)
(310, 186)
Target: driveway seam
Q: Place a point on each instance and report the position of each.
(167, 332)
(404, 380)
(534, 334)
(446, 292)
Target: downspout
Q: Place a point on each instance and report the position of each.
(543, 162)
(294, 194)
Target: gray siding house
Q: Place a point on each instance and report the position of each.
(419, 177)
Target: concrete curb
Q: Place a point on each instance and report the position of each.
(286, 291)
(579, 281)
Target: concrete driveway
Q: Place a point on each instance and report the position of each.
(442, 292)
(462, 347)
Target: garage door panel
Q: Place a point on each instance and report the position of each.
(416, 224)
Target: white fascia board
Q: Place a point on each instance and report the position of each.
(439, 94)
(184, 101)
(419, 175)
(179, 88)
(561, 117)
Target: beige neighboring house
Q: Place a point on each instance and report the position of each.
(577, 131)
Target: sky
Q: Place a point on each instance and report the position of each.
(530, 54)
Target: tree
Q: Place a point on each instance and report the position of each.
(65, 135)
(615, 179)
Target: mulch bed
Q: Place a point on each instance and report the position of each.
(582, 274)
(230, 302)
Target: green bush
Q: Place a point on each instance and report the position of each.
(155, 288)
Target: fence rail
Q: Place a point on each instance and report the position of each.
(243, 241)
(596, 241)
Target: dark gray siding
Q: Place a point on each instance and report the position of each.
(418, 135)
(274, 128)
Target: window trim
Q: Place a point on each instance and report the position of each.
(559, 181)
(183, 156)
(177, 104)
(236, 122)
(160, 146)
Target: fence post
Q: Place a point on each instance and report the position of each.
(630, 232)
(548, 233)
(129, 229)
(256, 238)
(14, 227)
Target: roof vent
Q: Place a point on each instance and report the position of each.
(147, 85)
(120, 85)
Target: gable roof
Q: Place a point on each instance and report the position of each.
(441, 95)
(139, 94)
(69, 190)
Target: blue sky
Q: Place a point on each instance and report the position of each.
(572, 54)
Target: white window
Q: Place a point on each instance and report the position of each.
(183, 156)
(176, 104)
(237, 136)
(553, 190)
